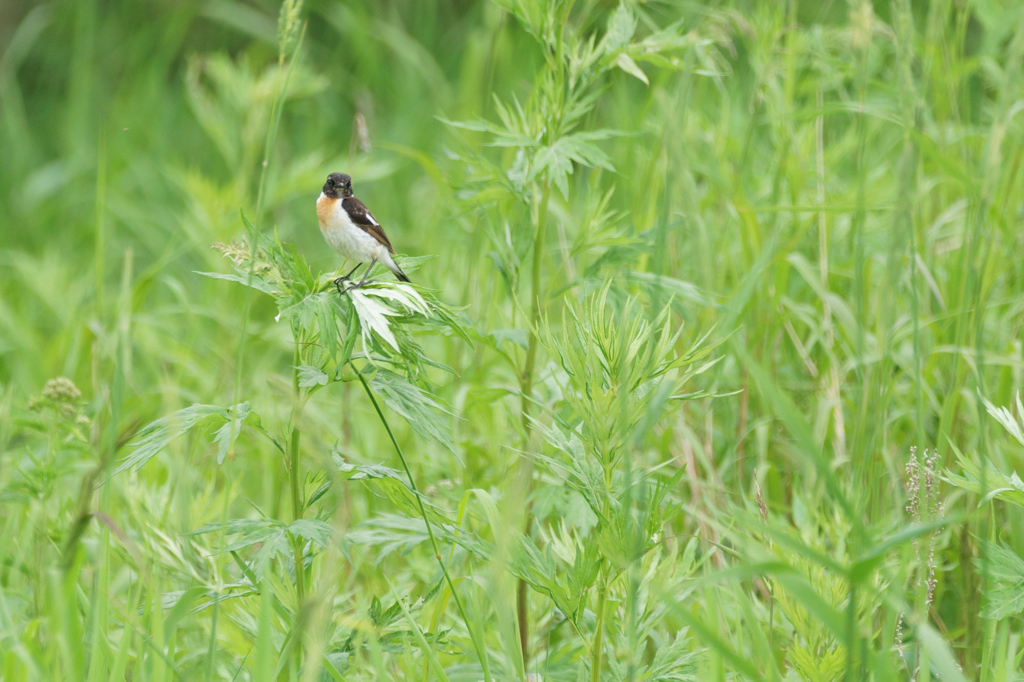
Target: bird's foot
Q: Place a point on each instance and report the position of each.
(358, 285)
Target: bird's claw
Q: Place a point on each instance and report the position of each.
(358, 285)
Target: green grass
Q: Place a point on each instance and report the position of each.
(709, 371)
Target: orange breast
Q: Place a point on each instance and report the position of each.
(325, 207)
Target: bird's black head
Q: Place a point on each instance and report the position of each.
(338, 186)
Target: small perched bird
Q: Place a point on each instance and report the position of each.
(351, 230)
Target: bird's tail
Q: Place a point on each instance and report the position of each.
(394, 267)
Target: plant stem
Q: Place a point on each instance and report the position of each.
(293, 474)
(526, 382)
(595, 649)
(526, 391)
(298, 506)
(480, 651)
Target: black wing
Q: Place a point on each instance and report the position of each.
(362, 217)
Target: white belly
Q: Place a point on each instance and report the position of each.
(349, 240)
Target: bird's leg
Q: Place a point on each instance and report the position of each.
(338, 281)
(365, 275)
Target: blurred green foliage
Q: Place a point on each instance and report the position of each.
(710, 371)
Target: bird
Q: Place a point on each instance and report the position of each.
(351, 230)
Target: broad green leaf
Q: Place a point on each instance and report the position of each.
(943, 663)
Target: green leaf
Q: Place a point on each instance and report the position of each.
(626, 63)
(428, 651)
(942, 661)
(997, 484)
(372, 307)
(815, 604)
(390, 533)
(227, 434)
(394, 485)
(1005, 417)
(557, 159)
(156, 436)
(274, 544)
(312, 376)
(1005, 596)
(288, 25)
(417, 406)
(558, 165)
(710, 636)
(563, 502)
(256, 282)
(518, 337)
(676, 287)
(621, 27)
(317, 532)
(232, 526)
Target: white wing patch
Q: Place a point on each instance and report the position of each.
(373, 221)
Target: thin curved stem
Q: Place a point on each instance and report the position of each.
(480, 651)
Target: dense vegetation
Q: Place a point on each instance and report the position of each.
(709, 368)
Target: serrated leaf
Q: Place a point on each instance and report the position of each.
(265, 533)
(417, 406)
(402, 294)
(158, 435)
(558, 166)
(1006, 418)
(626, 63)
(621, 27)
(274, 544)
(373, 317)
(228, 433)
(390, 533)
(317, 532)
(517, 336)
(1005, 596)
(233, 526)
(255, 282)
(393, 483)
(557, 159)
(312, 376)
